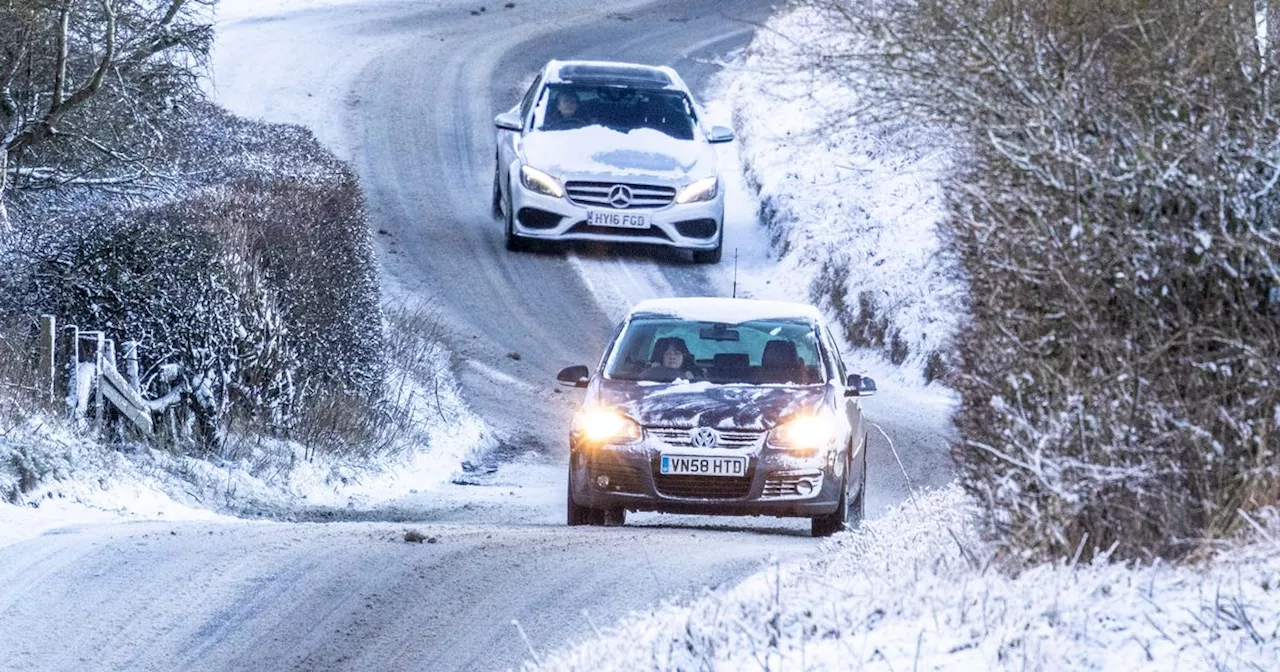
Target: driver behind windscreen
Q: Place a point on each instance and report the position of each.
(566, 110)
(671, 360)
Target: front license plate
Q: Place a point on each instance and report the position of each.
(690, 465)
(617, 220)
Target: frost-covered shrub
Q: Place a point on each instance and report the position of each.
(18, 386)
(258, 278)
(850, 203)
(1116, 221)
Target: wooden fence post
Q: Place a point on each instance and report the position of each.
(48, 359)
(131, 365)
(70, 350)
(98, 356)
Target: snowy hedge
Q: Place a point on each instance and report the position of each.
(1115, 216)
(257, 276)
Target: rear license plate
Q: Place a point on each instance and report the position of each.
(617, 220)
(689, 465)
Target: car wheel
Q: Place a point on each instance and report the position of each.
(710, 256)
(579, 515)
(514, 242)
(497, 194)
(613, 517)
(858, 508)
(836, 521)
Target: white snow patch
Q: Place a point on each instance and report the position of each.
(81, 481)
(917, 589)
(835, 192)
(579, 151)
(236, 10)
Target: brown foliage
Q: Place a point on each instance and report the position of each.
(1115, 217)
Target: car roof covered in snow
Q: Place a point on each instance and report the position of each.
(611, 73)
(727, 311)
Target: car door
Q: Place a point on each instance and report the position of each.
(852, 404)
(509, 141)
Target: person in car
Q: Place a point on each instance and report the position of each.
(565, 112)
(671, 360)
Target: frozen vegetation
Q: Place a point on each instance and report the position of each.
(851, 205)
(918, 589)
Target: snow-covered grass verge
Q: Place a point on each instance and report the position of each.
(851, 206)
(917, 589)
(51, 476)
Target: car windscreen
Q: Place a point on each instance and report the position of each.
(621, 108)
(757, 352)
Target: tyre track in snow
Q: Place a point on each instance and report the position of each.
(238, 596)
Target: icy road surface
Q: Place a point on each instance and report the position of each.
(406, 91)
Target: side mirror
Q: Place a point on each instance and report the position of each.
(509, 121)
(859, 386)
(574, 376)
(720, 134)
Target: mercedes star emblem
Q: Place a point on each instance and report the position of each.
(620, 196)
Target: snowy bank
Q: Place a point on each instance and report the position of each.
(51, 476)
(851, 207)
(917, 589)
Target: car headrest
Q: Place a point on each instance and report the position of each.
(779, 354)
(731, 360)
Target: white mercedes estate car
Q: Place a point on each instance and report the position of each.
(610, 152)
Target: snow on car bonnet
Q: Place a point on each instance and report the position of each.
(596, 149)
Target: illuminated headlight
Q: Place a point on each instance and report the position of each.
(605, 426)
(804, 436)
(536, 180)
(702, 190)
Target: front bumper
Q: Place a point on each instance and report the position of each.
(768, 489)
(541, 217)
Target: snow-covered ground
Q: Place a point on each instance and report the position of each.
(236, 10)
(850, 207)
(84, 482)
(917, 589)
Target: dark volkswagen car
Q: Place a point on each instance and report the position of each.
(719, 406)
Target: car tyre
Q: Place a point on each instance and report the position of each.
(514, 243)
(497, 194)
(613, 517)
(858, 508)
(838, 520)
(579, 515)
(710, 256)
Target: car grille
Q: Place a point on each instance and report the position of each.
(783, 483)
(622, 477)
(702, 487)
(728, 439)
(596, 194)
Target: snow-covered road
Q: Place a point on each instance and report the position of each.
(340, 596)
(405, 90)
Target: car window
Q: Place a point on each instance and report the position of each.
(757, 352)
(837, 361)
(526, 104)
(623, 109)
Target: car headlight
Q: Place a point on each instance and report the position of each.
(702, 190)
(805, 435)
(606, 426)
(536, 180)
